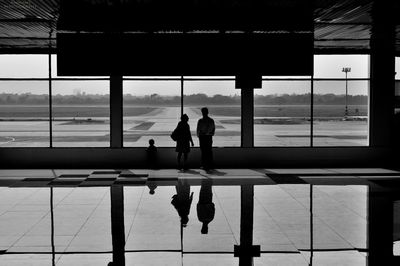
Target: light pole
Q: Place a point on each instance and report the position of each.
(346, 70)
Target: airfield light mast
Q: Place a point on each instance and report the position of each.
(346, 70)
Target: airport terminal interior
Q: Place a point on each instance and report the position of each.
(299, 166)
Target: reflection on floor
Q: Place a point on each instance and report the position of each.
(226, 217)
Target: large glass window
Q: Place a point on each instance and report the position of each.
(152, 108)
(282, 113)
(223, 102)
(151, 111)
(24, 114)
(340, 119)
(341, 88)
(81, 113)
(153, 105)
(24, 104)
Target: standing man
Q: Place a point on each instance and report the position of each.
(205, 132)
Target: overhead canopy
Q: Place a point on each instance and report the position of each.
(338, 26)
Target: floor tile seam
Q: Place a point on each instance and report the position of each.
(86, 220)
(226, 218)
(276, 223)
(293, 197)
(27, 196)
(339, 234)
(323, 220)
(30, 229)
(328, 196)
(134, 216)
(340, 203)
(366, 202)
(40, 220)
(54, 206)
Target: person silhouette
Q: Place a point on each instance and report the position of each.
(151, 152)
(183, 141)
(205, 132)
(205, 206)
(182, 201)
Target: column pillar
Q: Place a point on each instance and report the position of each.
(116, 114)
(382, 73)
(247, 84)
(247, 117)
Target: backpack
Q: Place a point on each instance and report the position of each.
(174, 135)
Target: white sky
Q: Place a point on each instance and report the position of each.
(325, 66)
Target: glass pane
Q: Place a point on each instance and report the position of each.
(24, 114)
(397, 68)
(332, 125)
(24, 66)
(81, 114)
(151, 111)
(282, 113)
(223, 103)
(331, 66)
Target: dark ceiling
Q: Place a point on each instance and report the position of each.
(340, 26)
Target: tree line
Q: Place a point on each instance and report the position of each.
(193, 99)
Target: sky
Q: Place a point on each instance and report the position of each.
(325, 66)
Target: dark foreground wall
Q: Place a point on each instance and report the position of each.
(224, 157)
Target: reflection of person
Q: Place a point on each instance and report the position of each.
(151, 152)
(183, 141)
(182, 201)
(205, 132)
(152, 185)
(205, 206)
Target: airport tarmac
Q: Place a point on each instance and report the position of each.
(158, 125)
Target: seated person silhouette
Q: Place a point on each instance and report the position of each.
(205, 206)
(182, 201)
(151, 152)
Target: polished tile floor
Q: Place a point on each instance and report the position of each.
(289, 216)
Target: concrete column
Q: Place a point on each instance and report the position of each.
(382, 71)
(247, 117)
(116, 114)
(117, 225)
(247, 83)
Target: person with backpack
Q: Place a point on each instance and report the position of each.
(183, 138)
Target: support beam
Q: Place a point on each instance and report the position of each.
(116, 114)
(382, 71)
